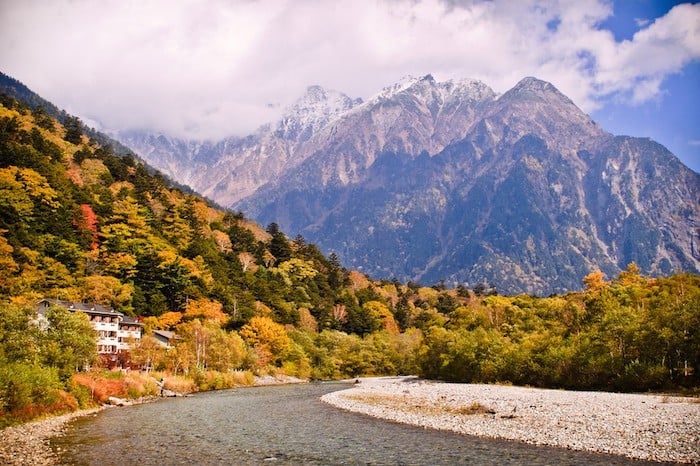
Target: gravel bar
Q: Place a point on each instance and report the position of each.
(648, 427)
(28, 444)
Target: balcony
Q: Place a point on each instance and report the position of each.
(104, 326)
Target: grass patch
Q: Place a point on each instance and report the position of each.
(474, 408)
(421, 406)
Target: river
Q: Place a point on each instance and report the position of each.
(283, 425)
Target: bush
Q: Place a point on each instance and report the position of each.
(81, 393)
(180, 384)
(30, 391)
(212, 380)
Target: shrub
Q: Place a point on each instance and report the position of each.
(180, 384)
(30, 391)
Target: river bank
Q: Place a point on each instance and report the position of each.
(29, 444)
(648, 427)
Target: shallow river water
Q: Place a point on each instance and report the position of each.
(283, 425)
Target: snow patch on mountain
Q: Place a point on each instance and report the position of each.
(312, 112)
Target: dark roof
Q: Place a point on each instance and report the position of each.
(84, 307)
(130, 320)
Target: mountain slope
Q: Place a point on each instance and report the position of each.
(430, 180)
(79, 223)
(16, 90)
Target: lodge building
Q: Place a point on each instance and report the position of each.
(114, 329)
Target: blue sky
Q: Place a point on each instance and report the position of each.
(209, 69)
(672, 118)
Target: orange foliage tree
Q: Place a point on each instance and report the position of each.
(86, 224)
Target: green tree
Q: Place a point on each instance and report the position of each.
(19, 334)
(74, 130)
(279, 246)
(69, 343)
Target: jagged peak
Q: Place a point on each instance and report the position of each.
(317, 97)
(402, 85)
(469, 88)
(466, 88)
(535, 86)
(312, 111)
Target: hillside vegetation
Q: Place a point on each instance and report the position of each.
(79, 223)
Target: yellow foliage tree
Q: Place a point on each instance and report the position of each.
(150, 323)
(206, 310)
(92, 171)
(594, 281)
(268, 338)
(148, 353)
(296, 270)
(21, 188)
(631, 276)
(382, 312)
(119, 263)
(8, 266)
(227, 351)
(106, 290)
(168, 320)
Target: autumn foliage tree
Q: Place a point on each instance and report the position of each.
(86, 225)
(267, 337)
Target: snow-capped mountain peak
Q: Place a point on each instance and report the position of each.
(402, 85)
(468, 90)
(310, 113)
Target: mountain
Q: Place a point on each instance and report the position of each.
(232, 169)
(431, 181)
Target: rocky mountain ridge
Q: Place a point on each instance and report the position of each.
(449, 181)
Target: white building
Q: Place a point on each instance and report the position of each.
(114, 329)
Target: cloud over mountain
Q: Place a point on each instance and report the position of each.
(218, 68)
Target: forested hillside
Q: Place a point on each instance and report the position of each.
(79, 223)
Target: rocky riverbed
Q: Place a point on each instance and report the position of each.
(28, 444)
(648, 427)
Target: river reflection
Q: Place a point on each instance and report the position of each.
(283, 425)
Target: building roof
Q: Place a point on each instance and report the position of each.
(84, 307)
(131, 320)
(165, 334)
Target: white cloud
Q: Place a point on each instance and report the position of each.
(210, 69)
(640, 65)
(641, 22)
